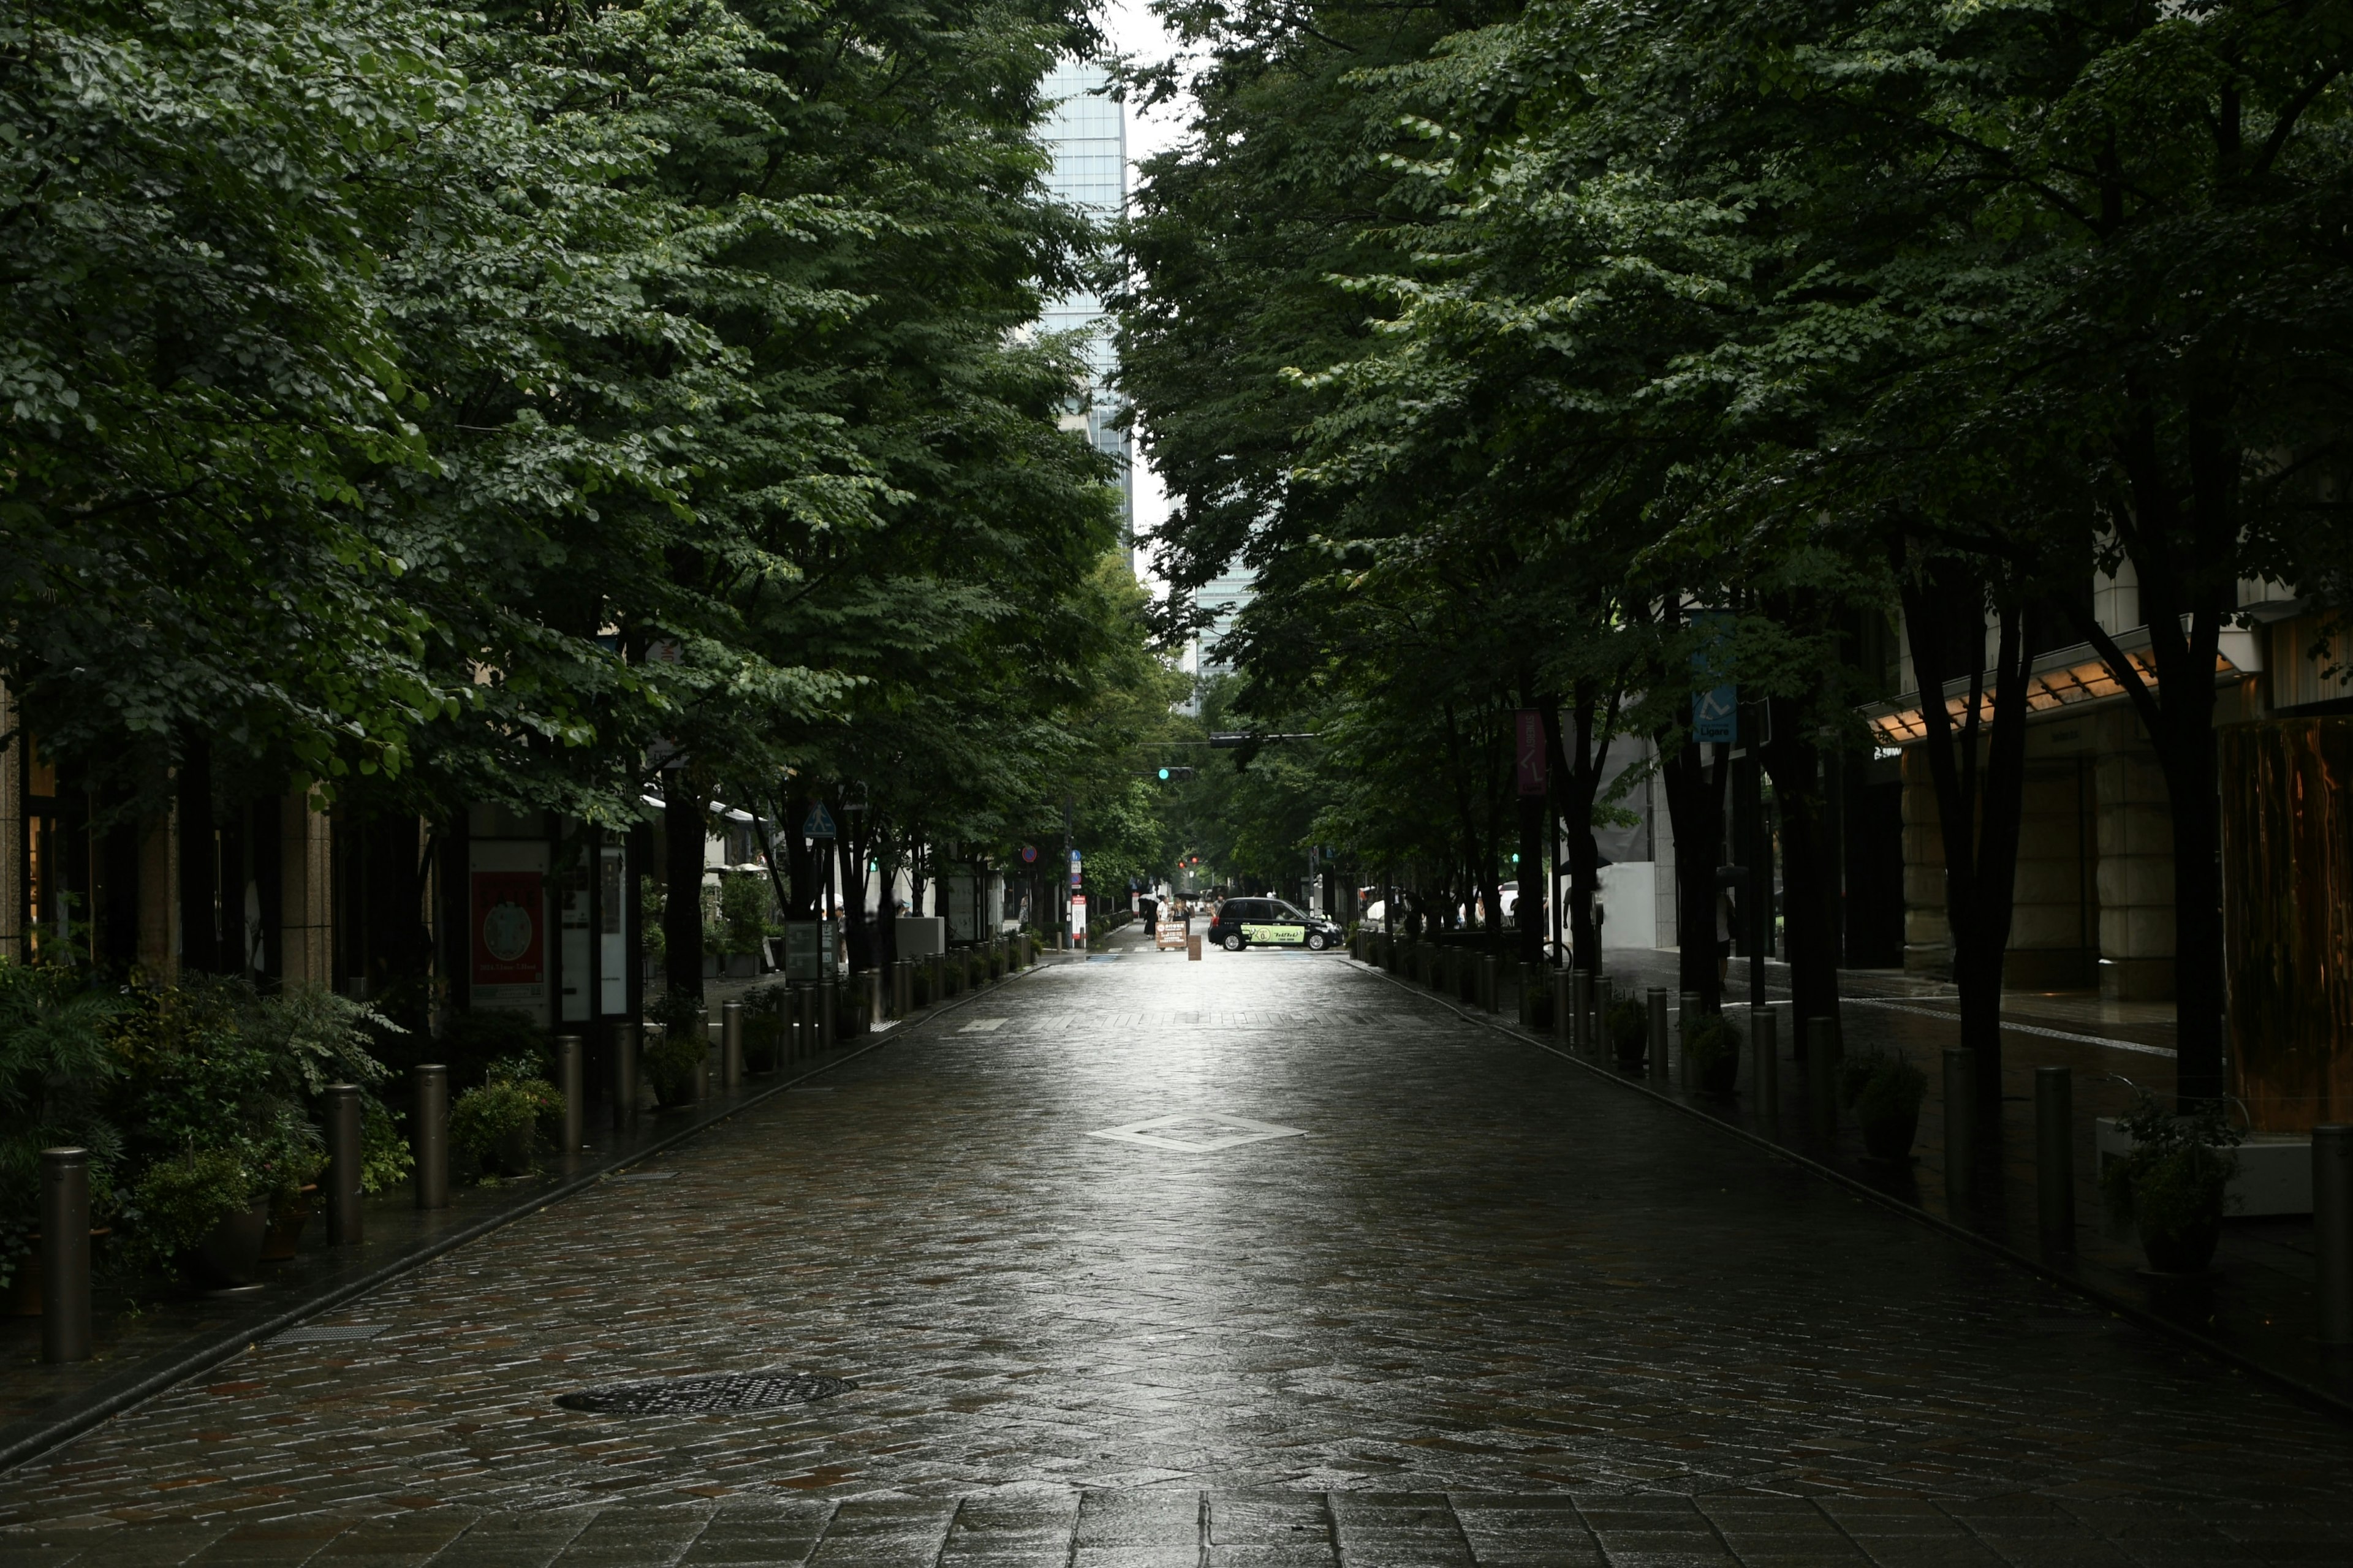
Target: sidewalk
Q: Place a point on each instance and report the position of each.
(2257, 1305)
(1264, 1260)
(143, 1347)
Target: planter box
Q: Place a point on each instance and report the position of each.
(2274, 1170)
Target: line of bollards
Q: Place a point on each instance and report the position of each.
(1580, 1004)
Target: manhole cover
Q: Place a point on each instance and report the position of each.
(328, 1334)
(706, 1395)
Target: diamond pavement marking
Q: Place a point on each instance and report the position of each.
(983, 1025)
(1197, 1131)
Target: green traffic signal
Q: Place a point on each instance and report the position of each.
(1164, 775)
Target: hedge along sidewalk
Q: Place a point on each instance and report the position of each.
(2256, 1316)
(172, 1341)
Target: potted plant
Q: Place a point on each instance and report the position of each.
(1883, 1091)
(1630, 1031)
(2173, 1187)
(1712, 1043)
(204, 1214)
(496, 1123)
(763, 1027)
(671, 1060)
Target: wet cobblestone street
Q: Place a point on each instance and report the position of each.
(1430, 1296)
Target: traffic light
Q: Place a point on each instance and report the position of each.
(1165, 774)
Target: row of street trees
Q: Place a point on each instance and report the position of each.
(1571, 355)
(518, 406)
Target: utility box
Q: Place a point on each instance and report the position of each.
(920, 936)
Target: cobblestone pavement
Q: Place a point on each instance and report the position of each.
(1481, 1307)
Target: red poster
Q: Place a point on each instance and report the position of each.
(1533, 752)
(509, 909)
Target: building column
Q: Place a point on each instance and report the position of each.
(306, 903)
(1927, 927)
(2136, 871)
(12, 834)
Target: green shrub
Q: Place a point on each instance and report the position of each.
(177, 1202)
(512, 1099)
(1885, 1090)
(1882, 1086)
(1628, 1026)
(57, 1068)
(386, 1158)
(472, 1040)
(670, 1063)
(743, 911)
(2173, 1185)
(1713, 1044)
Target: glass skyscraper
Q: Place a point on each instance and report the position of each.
(1087, 134)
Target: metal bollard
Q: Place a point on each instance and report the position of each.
(1657, 999)
(731, 1045)
(1960, 1118)
(1491, 984)
(625, 1076)
(826, 1032)
(1686, 1017)
(342, 1177)
(429, 1136)
(707, 1033)
(64, 1255)
(571, 1083)
(2332, 1228)
(1604, 994)
(2055, 1157)
(1764, 1067)
(1577, 1005)
(1566, 1023)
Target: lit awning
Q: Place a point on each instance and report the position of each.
(2067, 678)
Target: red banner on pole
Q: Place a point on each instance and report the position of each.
(1533, 754)
(510, 948)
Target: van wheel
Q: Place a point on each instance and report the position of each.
(1233, 942)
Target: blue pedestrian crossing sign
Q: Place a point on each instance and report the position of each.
(819, 823)
(1715, 706)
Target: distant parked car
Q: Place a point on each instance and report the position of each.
(1270, 922)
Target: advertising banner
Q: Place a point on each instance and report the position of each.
(510, 942)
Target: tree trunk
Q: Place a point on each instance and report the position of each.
(803, 873)
(1695, 805)
(1794, 763)
(1979, 822)
(850, 853)
(1576, 785)
(683, 827)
